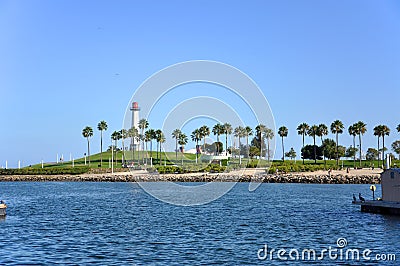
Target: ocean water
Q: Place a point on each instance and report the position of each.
(120, 224)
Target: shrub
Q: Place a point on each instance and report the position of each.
(46, 171)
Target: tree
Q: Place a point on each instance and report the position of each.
(313, 132)
(102, 126)
(302, 129)
(312, 151)
(196, 136)
(143, 125)
(385, 132)
(115, 136)
(361, 128)
(396, 147)
(254, 151)
(291, 154)
(337, 128)
(175, 134)
(133, 133)
(269, 135)
(329, 145)
(371, 154)
(398, 128)
(124, 135)
(248, 132)
(227, 130)
(205, 132)
(350, 152)
(353, 132)
(283, 132)
(160, 137)
(150, 134)
(322, 131)
(87, 133)
(182, 140)
(239, 132)
(258, 141)
(217, 130)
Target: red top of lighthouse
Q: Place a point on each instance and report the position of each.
(135, 106)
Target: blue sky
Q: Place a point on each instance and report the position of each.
(68, 64)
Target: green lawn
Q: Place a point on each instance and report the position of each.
(168, 158)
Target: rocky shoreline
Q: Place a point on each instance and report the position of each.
(203, 177)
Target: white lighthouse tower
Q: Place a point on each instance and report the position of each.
(135, 120)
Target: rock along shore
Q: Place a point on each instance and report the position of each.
(307, 178)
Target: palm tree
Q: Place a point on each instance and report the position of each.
(133, 134)
(102, 125)
(116, 135)
(322, 131)
(385, 132)
(353, 132)
(248, 132)
(337, 128)
(283, 132)
(227, 130)
(182, 140)
(143, 124)
(160, 139)
(302, 129)
(269, 135)
(124, 135)
(87, 133)
(150, 135)
(217, 130)
(239, 132)
(361, 128)
(175, 134)
(205, 132)
(158, 136)
(147, 137)
(196, 136)
(313, 131)
(260, 130)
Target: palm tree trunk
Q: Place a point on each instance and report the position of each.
(303, 148)
(261, 145)
(176, 149)
(283, 151)
(323, 151)
(337, 152)
(101, 148)
(383, 151)
(378, 153)
(268, 156)
(354, 147)
(123, 151)
(359, 138)
(88, 149)
(315, 152)
(248, 150)
(240, 158)
(226, 144)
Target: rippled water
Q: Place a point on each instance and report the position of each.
(118, 223)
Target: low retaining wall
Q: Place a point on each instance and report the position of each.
(226, 177)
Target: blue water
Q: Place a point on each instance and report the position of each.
(120, 224)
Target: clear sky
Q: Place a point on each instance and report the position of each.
(68, 64)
